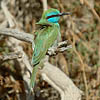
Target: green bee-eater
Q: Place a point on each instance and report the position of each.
(45, 38)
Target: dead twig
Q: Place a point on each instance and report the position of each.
(15, 45)
(10, 56)
(83, 67)
(45, 5)
(92, 9)
(62, 46)
(58, 80)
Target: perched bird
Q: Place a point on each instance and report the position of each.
(45, 37)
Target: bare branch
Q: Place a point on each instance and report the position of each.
(51, 74)
(17, 34)
(62, 46)
(45, 5)
(61, 82)
(10, 56)
(92, 9)
(15, 45)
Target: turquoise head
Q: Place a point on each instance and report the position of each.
(51, 16)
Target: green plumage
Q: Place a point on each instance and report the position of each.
(45, 38)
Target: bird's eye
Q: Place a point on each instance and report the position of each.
(42, 27)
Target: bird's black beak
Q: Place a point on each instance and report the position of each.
(65, 13)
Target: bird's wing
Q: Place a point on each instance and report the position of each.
(43, 41)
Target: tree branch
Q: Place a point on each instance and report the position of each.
(62, 46)
(17, 34)
(61, 82)
(10, 56)
(15, 45)
(50, 73)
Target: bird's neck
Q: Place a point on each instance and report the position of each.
(55, 25)
(51, 24)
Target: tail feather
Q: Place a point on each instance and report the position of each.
(33, 77)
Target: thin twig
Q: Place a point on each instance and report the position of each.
(45, 6)
(62, 46)
(93, 10)
(83, 67)
(15, 45)
(9, 17)
(60, 5)
(66, 88)
(83, 72)
(10, 56)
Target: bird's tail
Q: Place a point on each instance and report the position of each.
(33, 77)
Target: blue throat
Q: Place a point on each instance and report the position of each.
(53, 19)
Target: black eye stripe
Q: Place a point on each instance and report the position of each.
(60, 14)
(52, 16)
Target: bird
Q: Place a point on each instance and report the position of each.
(45, 38)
